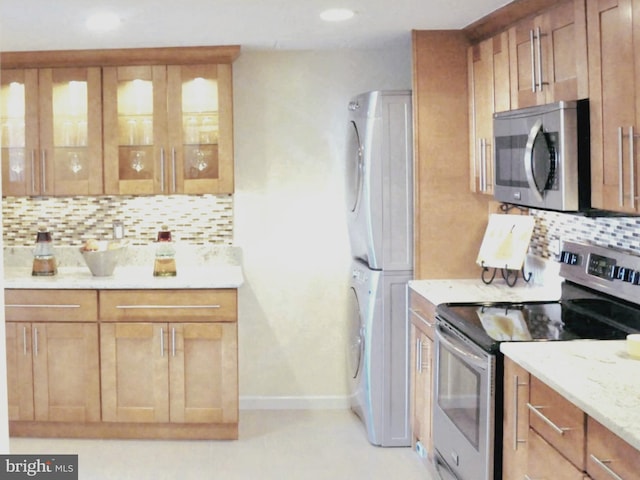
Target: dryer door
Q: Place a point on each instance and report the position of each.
(355, 168)
(356, 336)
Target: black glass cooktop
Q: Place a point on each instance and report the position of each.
(488, 324)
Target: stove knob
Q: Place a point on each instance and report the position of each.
(635, 277)
(570, 258)
(623, 273)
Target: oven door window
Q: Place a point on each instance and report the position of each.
(459, 394)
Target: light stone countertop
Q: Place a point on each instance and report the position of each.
(475, 290)
(597, 376)
(197, 267)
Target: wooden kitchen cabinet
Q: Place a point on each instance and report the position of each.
(168, 129)
(123, 363)
(489, 92)
(52, 356)
(558, 422)
(614, 70)
(179, 366)
(51, 131)
(422, 315)
(548, 54)
(544, 461)
(608, 456)
(515, 424)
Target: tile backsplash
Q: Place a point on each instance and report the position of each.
(616, 232)
(193, 219)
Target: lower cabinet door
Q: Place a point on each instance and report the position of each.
(66, 382)
(544, 461)
(135, 372)
(52, 372)
(203, 373)
(19, 371)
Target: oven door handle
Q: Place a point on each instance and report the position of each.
(460, 349)
(442, 467)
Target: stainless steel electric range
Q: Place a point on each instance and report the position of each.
(599, 293)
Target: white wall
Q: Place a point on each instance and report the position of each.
(290, 132)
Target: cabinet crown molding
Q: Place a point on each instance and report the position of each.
(120, 57)
(500, 19)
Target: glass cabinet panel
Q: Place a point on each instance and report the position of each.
(168, 129)
(12, 119)
(51, 131)
(19, 173)
(135, 129)
(200, 127)
(70, 116)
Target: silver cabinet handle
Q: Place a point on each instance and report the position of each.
(421, 317)
(516, 401)
(483, 165)
(35, 341)
(33, 171)
(545, 419)
(165, 307)
(420, 365)
(162, 170)
(632, 168)
(173, 342)
(533, 61)
(603, 466)
(24, 341)
(161, 342)
(620, 173)
(174, 182)
(20, 305)
(43, 173)
(539, 39)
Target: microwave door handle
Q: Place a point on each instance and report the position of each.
(528, 160)
(460, 351)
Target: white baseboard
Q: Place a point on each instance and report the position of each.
(326, 402)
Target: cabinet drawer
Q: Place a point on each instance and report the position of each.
(608, 455)
(544, 461)
(422, 313)
(218, 305)
(558, 421)
(51, 305)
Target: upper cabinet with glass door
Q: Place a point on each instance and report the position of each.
(168, 129)
(51, 131)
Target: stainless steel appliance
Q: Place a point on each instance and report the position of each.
(542, 156)
(379, 209)
(599, 295)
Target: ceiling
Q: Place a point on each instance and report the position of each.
(253, 24)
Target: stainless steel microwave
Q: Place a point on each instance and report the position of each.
(542, 157)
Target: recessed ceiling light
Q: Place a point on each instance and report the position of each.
(337, 14)
(103, 22)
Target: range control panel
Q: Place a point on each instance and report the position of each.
(609, 270)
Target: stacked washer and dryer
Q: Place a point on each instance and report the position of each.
(380, 219)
